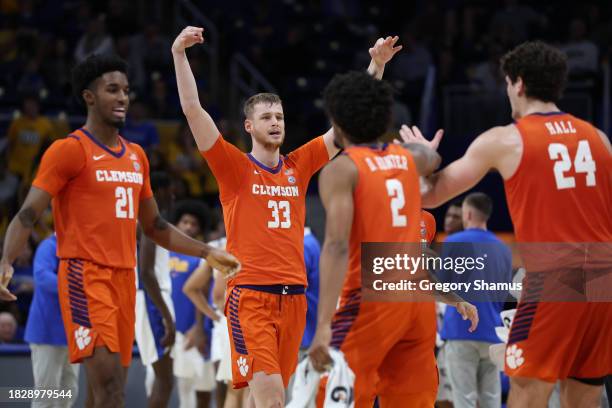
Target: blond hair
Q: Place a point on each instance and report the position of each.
(269, 98)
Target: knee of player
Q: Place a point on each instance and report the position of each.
(165, 379)
(166, 384)
(272, 397)
(530, 385)
(111, 388)
(277, 402)
(275, 398)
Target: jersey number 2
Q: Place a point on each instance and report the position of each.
(396, 192)
(277, 207)
(583, 163)
(124, 207)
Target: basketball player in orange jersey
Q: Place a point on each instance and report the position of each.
(99, 184)
(371, 194)
(263, 198)
(557, 172)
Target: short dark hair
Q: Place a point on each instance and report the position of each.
(92, 68)
(193, 207)
(457, 202)
(269, 98)
(542, 67)
(481, 202)
(360, 105)
(160, 180)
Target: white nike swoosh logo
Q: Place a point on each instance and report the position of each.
(99, 157)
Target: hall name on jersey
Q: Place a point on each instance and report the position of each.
(560, 127)
(118, 176)
(275, 191)
(388, 162)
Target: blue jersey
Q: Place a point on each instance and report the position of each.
(473, 243)
(181, 268)
(45, 325)
(312, 252)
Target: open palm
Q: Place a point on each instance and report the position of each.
(413, 135)
(384, 50)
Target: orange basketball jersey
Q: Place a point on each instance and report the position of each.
(264, 210)
(562, 189)
(387, 202)
(96, 195)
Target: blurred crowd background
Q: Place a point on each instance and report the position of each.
(446, 76)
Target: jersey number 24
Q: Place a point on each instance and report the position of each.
(583, 163)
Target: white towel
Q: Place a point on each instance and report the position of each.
(497, 352)
(339, 391)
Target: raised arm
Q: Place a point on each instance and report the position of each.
(381, 52)
(202, 126)
(464, 173)
(168, 236)
(336, 184)
(425, 159)
(487, 151)
(17, 234)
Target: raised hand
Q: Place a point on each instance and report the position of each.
(187, 38)
(414, 135)
(384, 50)
(224, 262)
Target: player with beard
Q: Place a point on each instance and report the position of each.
(99, 183)
(263, 197)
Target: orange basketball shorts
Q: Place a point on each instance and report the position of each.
(266, 324)
(98, 308)
(390, 348)
(554, 341)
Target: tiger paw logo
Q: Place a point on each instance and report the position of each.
(243, 367)
(514, 357)
(82, 337)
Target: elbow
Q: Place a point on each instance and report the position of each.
(156, 230)
(149, 231)
(189, 291)
(190, 108)
(429, 202)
